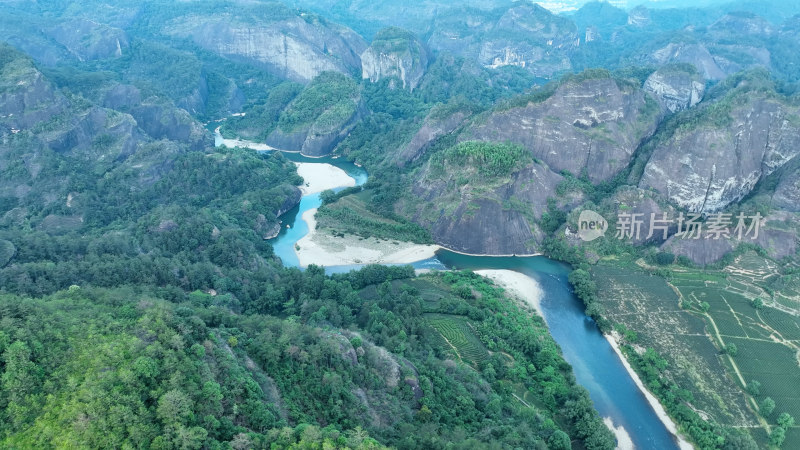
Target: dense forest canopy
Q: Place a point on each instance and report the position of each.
(141, 301)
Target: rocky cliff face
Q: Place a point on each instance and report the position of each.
(432, 129)
(732, 43)
(676, 87)
(778, 244)
(694, 54)
(395, 53)
(526, 36)
(593, 125)
(639, 17)
(88, 40)
(26, 98)
(315, 139)
(318, 118)
(158, 118)
(740, 139)
(498, 219)
(38, 122)
(741, 23)
(295, 47)
(59, 150)
(787, 194)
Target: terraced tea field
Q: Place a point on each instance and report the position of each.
(459, 335)
(648, 305)
(694, 317)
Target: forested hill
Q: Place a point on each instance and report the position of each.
(141, 307)
(356, 361)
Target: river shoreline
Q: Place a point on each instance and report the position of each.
(683, 444)
(492, 256)
(259, 146)
(319, 177)
(327, 250)
(624, 441)
(522, 286)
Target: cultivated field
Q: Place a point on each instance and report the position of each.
(692, 318)
(459, 335)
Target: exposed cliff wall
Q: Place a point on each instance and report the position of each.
(434, 127)
(787, 194)
(676, 87)
(88, 40)
(296, 47)
(495, 218)
(592, 125)
(158, 118)
(26, 98)
(526, 36)
(395, 53)
(720, 153)
(318, 118)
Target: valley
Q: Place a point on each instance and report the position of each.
(288, 224)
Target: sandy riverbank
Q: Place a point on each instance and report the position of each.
(522, 286)
(241, 143)
(327, 250)
(319, 177)
(651, 399)
(624, 441)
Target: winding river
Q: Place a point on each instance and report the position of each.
(596, 366)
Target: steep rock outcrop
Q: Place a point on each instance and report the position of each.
(316, 139)
(158, 117)
(632, 200)
(699, 251)
(599, 20)
(433, 128)
(777, 243)
(694, 54)
(727, 47)
(97, 133)
(639, 17)
(676, 87)
(26, 97)
(89, 40)
(318, 118)
(526, 36)
(494, 219)
(787, 194)
(591, 125)
(719, 158)
(162, 121)
(294, 46)
(741, 23)
(397, 53)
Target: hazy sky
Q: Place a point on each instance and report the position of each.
(568, 5)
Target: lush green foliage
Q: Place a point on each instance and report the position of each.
(355, 215)
(122, 368)
(490, 159)
(262, 118)
(199, 225)
(329, 100)
(189, 373)
(707, 435)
